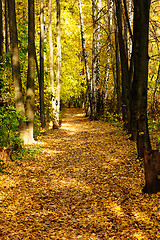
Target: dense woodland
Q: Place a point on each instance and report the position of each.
(102, 56)
(80, 119)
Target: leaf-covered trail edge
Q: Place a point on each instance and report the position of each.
(86, 184)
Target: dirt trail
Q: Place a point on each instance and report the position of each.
(86, 184)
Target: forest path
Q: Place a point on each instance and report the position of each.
(86, 184)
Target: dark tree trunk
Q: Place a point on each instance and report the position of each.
(19, 101)
(141, 32)
(124, 67)
(133, 86)
(6, 27)
(118, 93)
(133, 95)
(31, 71)
(152, 171)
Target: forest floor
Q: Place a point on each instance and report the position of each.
(85, 184)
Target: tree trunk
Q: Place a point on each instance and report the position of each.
(132, 86)
(98, 80)
(6, 27)
(51, 62)
(157, 83)
(41, 82)
(1, 52)
(1, 30)
(130, 26)
(89, 84)
(134, 92)
(58, 73)
(124, 68)
(94, 61)
(118, 93)
(108, 54)
(152, 171)
(141, 11)
(111, 28)
(19, 101)
(31, 72)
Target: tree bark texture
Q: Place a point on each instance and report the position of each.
(53, 97)
(118, 92)
(152, 171)
(89, 84)
(19, 101)
(94, 60)
(31, 71)
(1, 30)
(141, 34)
(124, 67)
(98, 78)
(41, 82)
(58, 72)
(6, 27)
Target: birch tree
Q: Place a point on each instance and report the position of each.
(31, 71)
(41, 80)
(88, 78)
(109, 49)
(53, 97)
(98, 80)
(58, 72)
(94, 59)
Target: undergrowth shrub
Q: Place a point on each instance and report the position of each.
(111, 117)
(9, 128)
(27, 153)
(10, 140)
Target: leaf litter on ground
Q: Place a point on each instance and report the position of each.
(86, 184)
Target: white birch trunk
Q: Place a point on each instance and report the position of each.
(98, 81)
(41, 80)
(130, 21)
(51, 61)
(94, 60)
(31, 71)
(109, 19)
(89, 83)
(58, 73)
